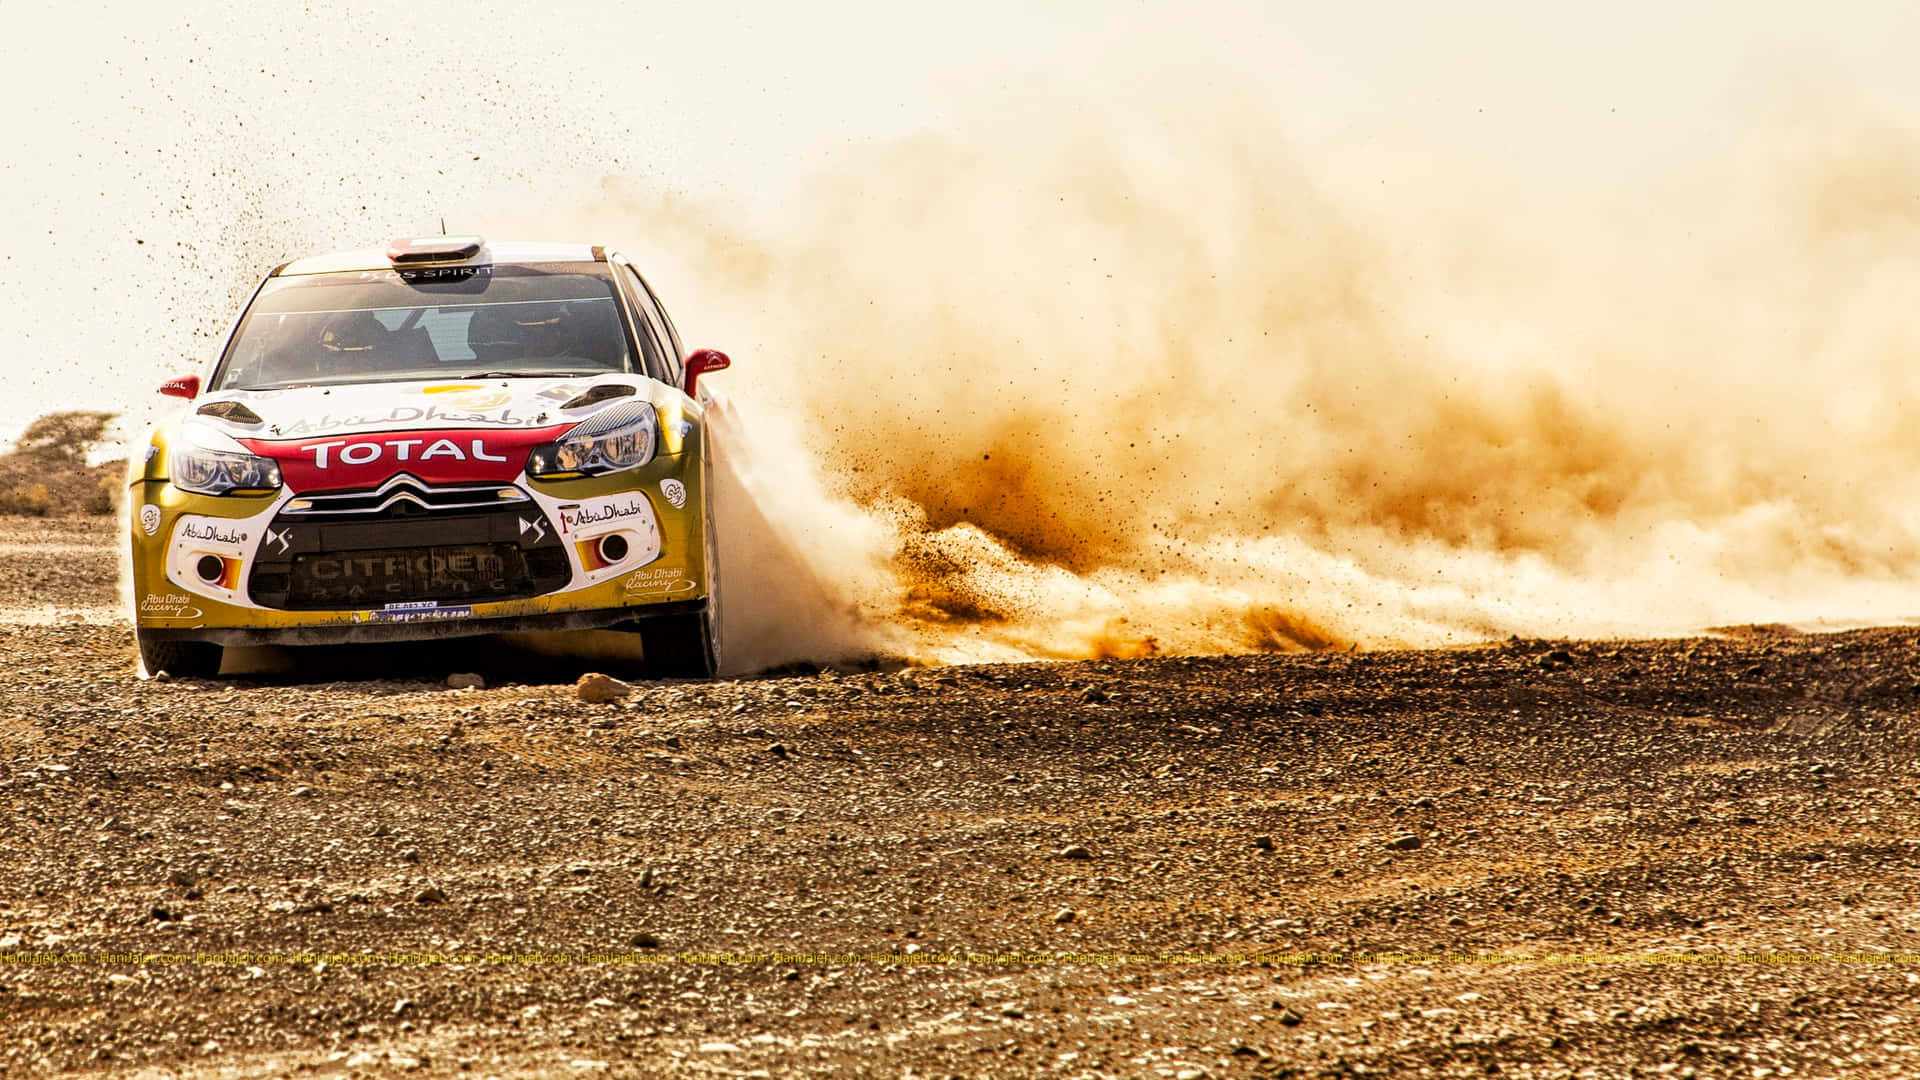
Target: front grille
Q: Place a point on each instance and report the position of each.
(467, 572)
(406, 543)
(403, 496)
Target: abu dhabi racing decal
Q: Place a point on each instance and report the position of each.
(659, 580)
(172, 607)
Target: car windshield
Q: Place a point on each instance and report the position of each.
(428, 323)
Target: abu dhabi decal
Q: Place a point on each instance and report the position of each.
(149, 519)
(409, 415)
(307, 412)
(207, 530)
(615, 509)
(675, 491)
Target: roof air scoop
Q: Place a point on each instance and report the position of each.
(605, 392)
(420, 249)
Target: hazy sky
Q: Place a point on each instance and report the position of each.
(162, 156)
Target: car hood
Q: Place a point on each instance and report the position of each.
(347, 437)
(305, 412)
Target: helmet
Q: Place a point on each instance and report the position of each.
(546, 329)
(503, 333)
(495, 335)
(351, 343)
(351, 332)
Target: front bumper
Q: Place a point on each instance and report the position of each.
(266, 571)
(376, 632)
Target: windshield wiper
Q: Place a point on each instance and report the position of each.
(527, 375)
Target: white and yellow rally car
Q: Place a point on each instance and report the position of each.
(446, 438)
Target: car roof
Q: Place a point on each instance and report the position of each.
(508, 251)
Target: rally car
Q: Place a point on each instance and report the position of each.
(448, 437)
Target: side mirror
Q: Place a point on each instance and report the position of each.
(701, 361)
(188, 386)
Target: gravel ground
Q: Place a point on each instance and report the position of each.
(1689, 857)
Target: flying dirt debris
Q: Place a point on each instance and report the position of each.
(1229, 386)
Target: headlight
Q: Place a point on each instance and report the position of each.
(209, 463)
(623, 436)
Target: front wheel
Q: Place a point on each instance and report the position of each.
(184, 659)
(688, 646)
(681, 646)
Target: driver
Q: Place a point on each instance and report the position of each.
(494, 335)
(350, 343)
(548, 330)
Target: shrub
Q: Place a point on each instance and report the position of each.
(32, 500)
(46, 473)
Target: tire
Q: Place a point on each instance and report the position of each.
(183, 659)
(688, 646)
(681, 646)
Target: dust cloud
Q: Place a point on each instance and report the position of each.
(1118, 382)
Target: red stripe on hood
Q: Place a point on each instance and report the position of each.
(349, 462)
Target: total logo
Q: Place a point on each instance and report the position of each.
(365, 453)
(432, 456)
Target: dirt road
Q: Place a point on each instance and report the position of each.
(1688, 857)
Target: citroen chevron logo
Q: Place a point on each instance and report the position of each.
(405, 493)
